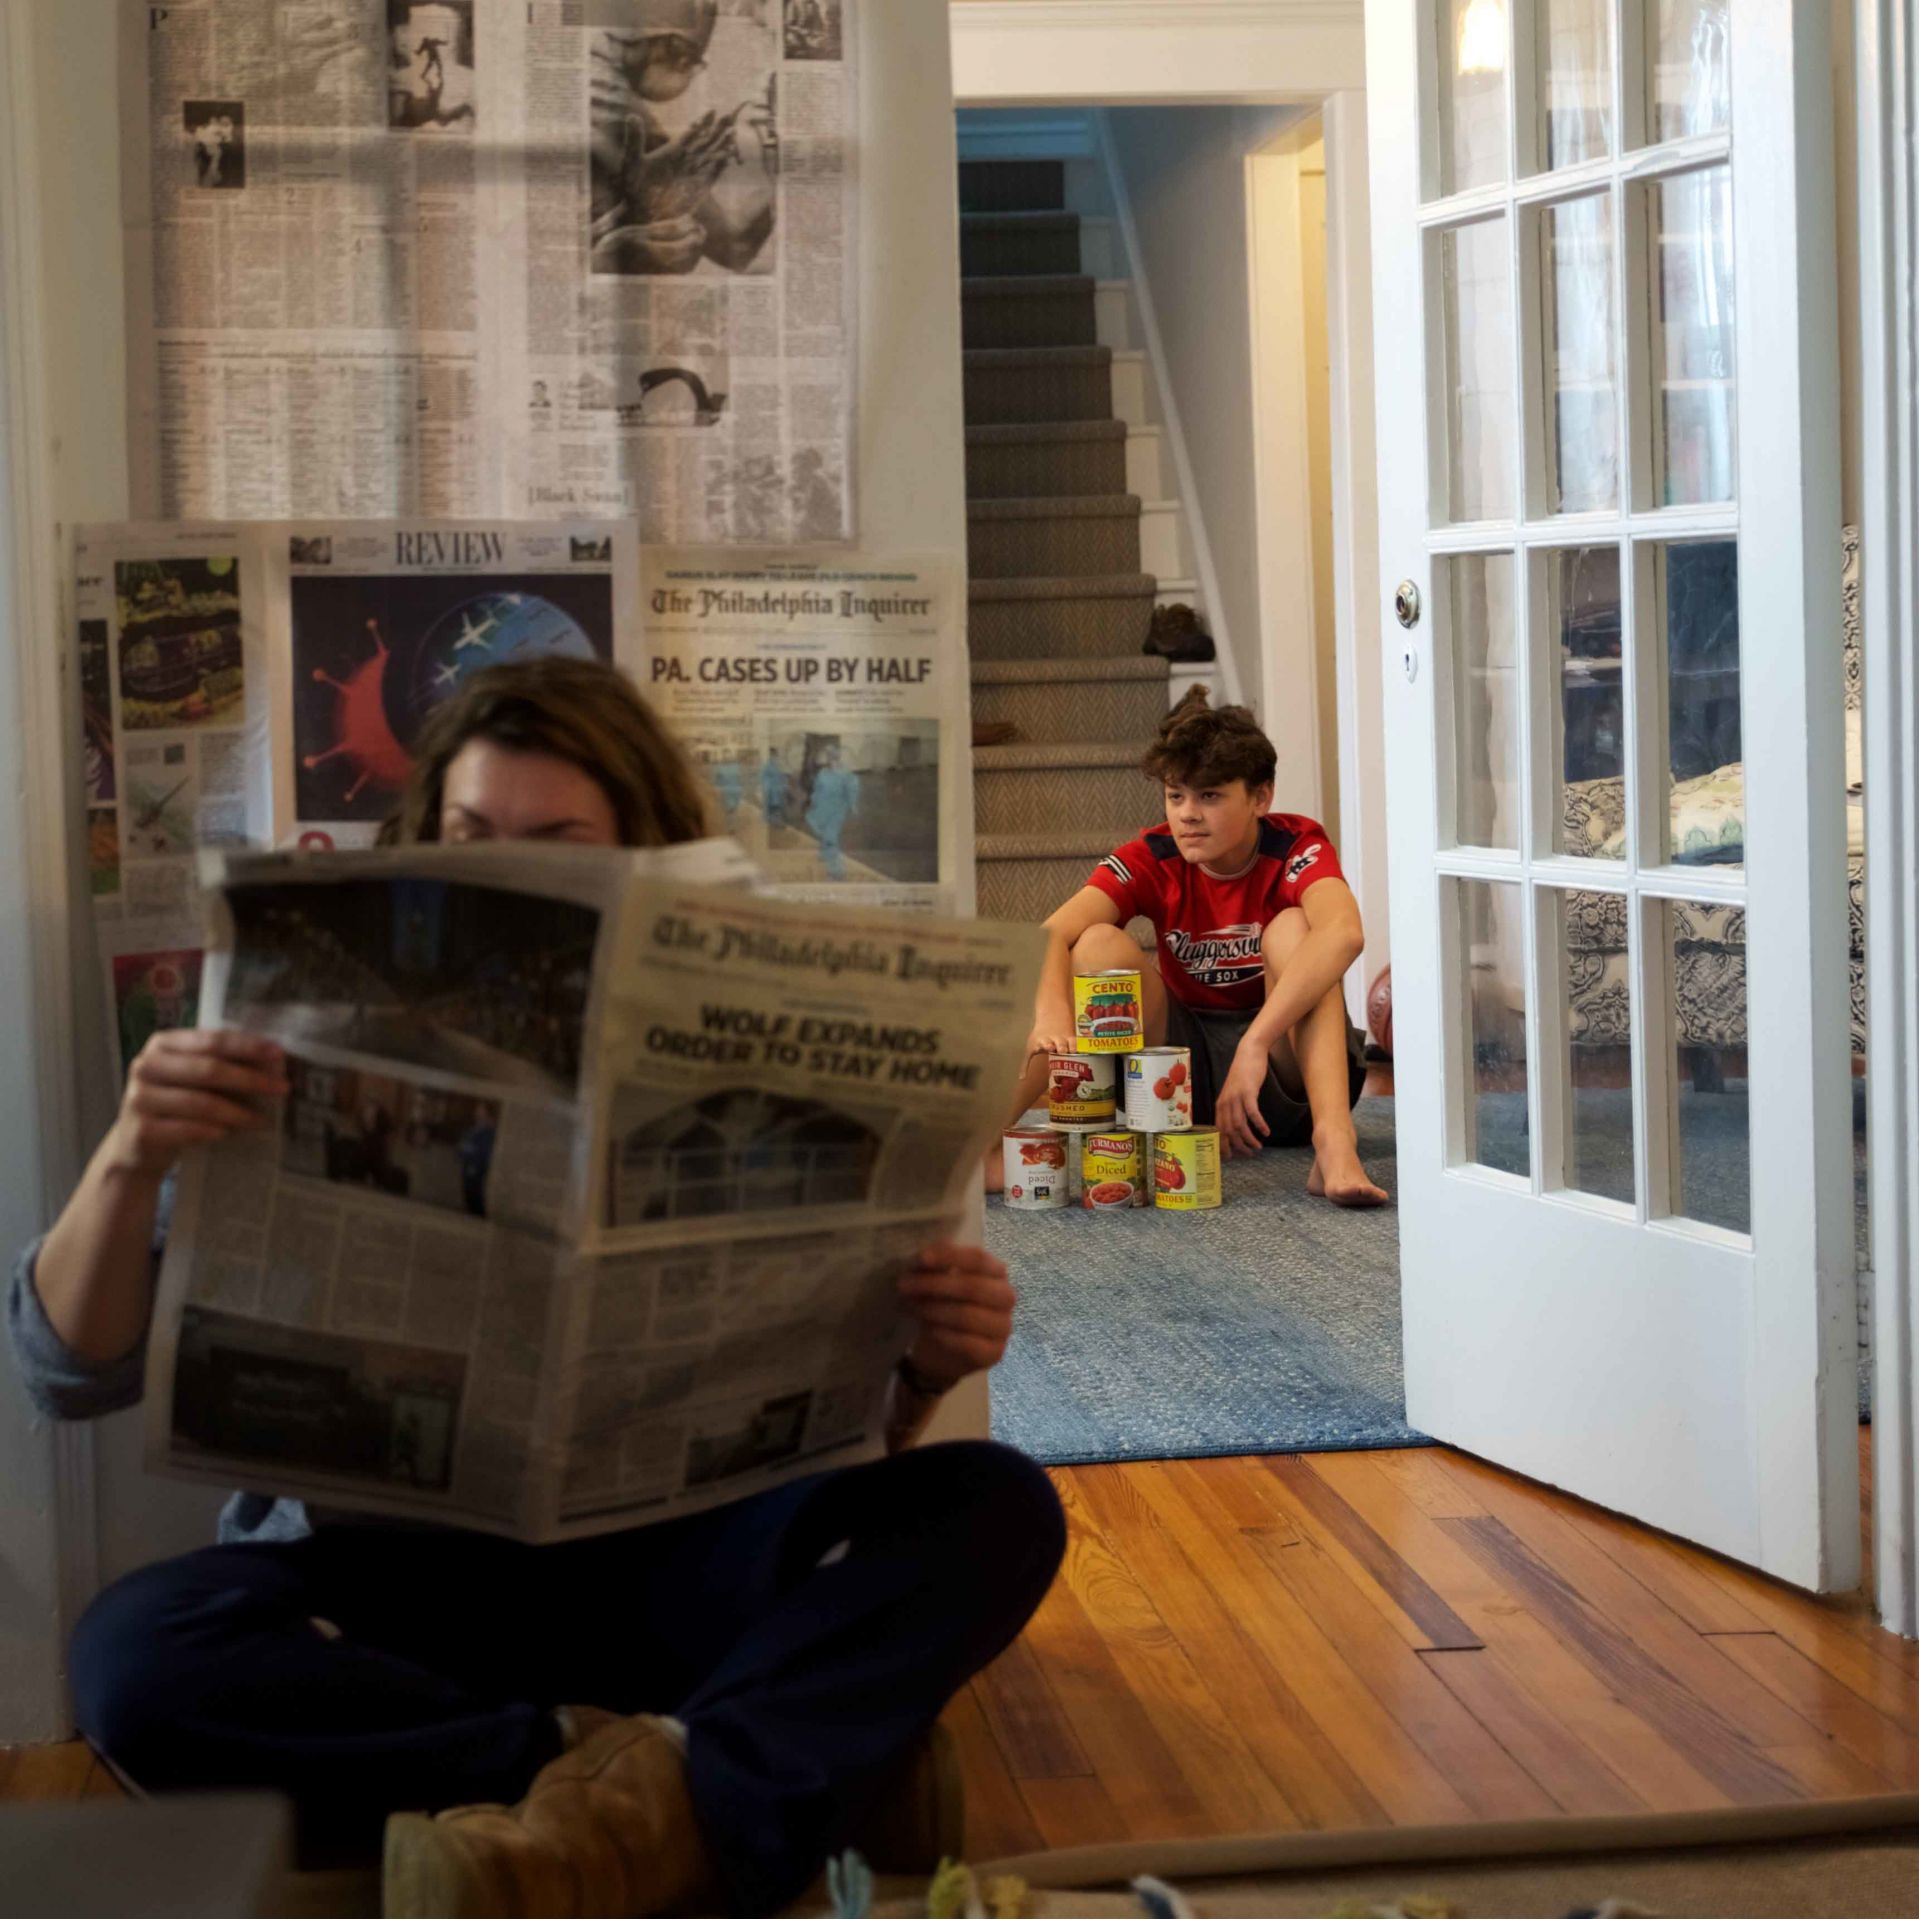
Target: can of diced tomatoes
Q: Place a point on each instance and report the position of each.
(1106, 1011)
(1159, 1089)
(1035, 1164)
(1113, 1169)
(1186, 1170)
(1080, 1089)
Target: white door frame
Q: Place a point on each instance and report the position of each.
(1099, 53)
(1888, 108)
(50, 1547)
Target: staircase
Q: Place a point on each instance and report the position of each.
(1059, 544)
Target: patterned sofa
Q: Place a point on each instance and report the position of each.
(1709, 971)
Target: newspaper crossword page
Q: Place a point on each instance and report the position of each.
(590, 1197)
(474, 258)
(260, 684)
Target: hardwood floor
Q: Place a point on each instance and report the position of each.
(1351, 1639)
(1370, 1638)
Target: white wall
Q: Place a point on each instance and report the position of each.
(911, 500)
(1183, 170)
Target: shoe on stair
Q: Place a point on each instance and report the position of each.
(994, 732)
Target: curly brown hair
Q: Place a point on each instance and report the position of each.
(1203, 745)
(581, 711)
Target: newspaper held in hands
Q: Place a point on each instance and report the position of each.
(590, 1197)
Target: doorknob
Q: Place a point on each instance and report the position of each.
(1406, 608)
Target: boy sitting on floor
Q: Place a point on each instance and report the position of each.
(1253, 927)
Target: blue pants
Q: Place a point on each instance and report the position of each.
(802, 1686)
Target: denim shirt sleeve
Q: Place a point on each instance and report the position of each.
(58, 1380)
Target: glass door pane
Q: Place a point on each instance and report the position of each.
(1485, 699)
(1695, 599)
(1471, 72)
(1689, 50)
(1490, 966)
(1581, 357)
(1575, 80)
(1705, 950)
(1476, 326)
(1597, 1010)
(1690, 337)
(1584, 628)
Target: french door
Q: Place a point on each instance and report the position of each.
(1609, 538)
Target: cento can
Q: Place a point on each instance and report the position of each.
(1186, 1170)
(1159, 1090)
(1113, 1167)
(1080, 1089)
(1035, 1163)
(1106, 1011)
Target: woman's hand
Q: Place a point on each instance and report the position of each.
(189, 1088)
(964, 1305)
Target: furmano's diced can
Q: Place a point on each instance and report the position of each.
(1080, 1089)
(1106, 1011)
(1186, 1170)
(1159, 1090)
(1035, 1163)
(1113, 1169)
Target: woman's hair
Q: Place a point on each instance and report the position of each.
(580, 711)
(1202, 745)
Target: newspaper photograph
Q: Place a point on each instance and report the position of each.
(810, 691)
(590, 1194)
(423, 257)
(174, 649)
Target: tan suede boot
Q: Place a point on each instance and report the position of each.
(605, 1832)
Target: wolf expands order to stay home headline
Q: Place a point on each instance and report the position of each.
(589, 1200)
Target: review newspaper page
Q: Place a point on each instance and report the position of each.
(458, 260)
(589, 1201)
(262, 684)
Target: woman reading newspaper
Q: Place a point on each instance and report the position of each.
(698, 1712)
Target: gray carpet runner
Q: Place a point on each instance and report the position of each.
(1058, 606)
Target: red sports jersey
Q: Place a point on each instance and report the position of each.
(1208, 929)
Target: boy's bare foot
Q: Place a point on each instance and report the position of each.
(994, 1168)
(1338, 1175)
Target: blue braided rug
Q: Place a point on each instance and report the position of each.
(1272, 1325)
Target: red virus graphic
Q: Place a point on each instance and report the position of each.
(362, 735)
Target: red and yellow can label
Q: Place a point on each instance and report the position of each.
(1107, 1015)
(1186, 1170)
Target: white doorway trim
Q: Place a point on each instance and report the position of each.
(50, 1550)
(1888, 106)
(1282, 469)
(1040, 53)
(1163, 52)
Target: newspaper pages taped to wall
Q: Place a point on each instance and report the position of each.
(812, 689)
(174, 669)
(590, 1198)
(552, 258)
(257, 684)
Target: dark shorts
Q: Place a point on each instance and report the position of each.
(1214, 1038)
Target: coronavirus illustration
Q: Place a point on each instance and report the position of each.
(373, 656)
(363, 736)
